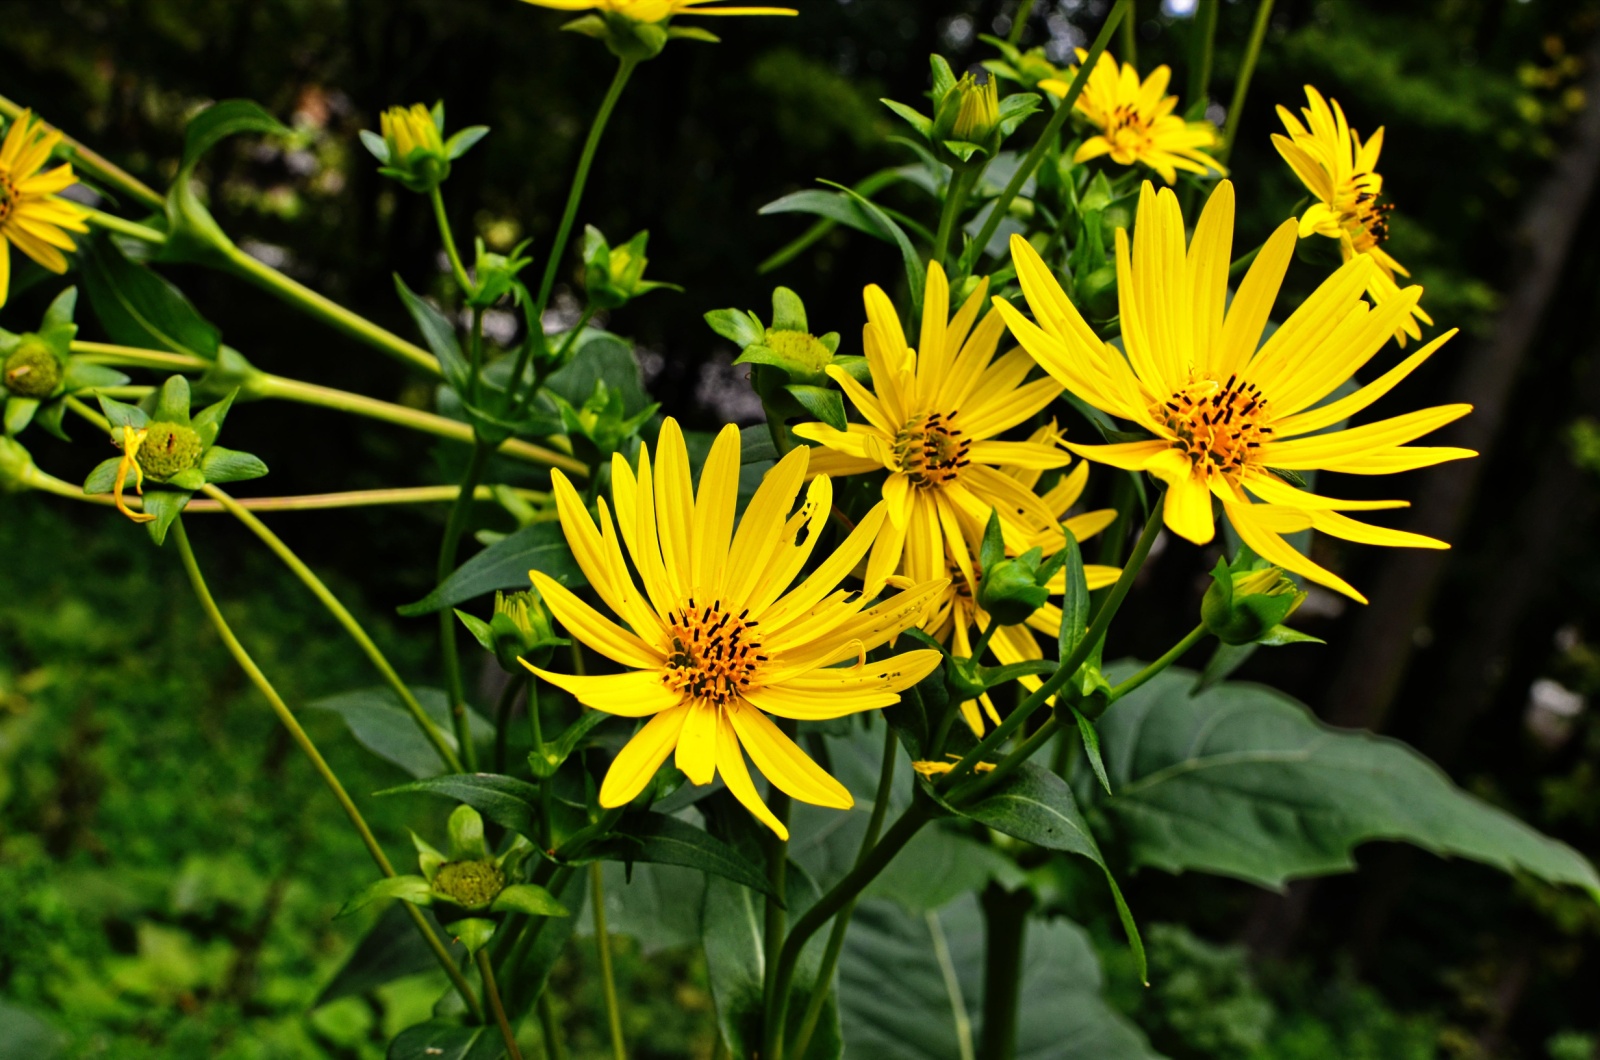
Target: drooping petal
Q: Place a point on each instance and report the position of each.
(638, 761)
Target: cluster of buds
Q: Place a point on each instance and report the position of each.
(412, 149)
(1012, 588)
(970, 120)
(789, 365)
(467, 887)
(1247, 603)
(601, 425)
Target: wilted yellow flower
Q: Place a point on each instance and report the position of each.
(32, 218)
(718, 640)
(1136, 120)
(658, 10)
(1226, 417)
(932, 420)
(1341, 171)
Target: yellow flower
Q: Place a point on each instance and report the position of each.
(932, 420)
(956, 613)
(718, 640)
(658, 10)
(1341, 171)
(31, 217)
(1224, 415)
(1136, 120)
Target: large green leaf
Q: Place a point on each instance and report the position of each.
(24, 1036)
(507, 801)
(600, 355)
(222, 120)
(139, 308)
(911, 988)
(656, 905)
(443, 1039)
(1243, 781)
(662, 840)
(505, 565)
(381, 725)
(523, 983)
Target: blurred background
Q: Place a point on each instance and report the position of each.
(168, 868)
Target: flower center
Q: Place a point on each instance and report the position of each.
(715, 653)
(1363, 216)
(930, 451)
(32, 371)
(169, 448)
(800, 347)
(8, 197)
(1217, 425)
(472, 884)
(1126, 129)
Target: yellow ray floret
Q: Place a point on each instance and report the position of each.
(1342, 173)
(933, 420)
(1222, 414)
(32, 216)
(721, 634)
(1136, 120)
(658, 10)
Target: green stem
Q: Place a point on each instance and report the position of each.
(558, 246)
(1019, 21)
(502, 716)
(274, 386)
(602, 941)
(955, 198)
(572, 336)
(841, 923)
(303, 741)
(1005, 923)
(1205, 41)
(468, 288)
(449, 547)
(777, 871)
(345, 619)
(134, 357)
(1173, 654)
(1242, 263)
(329, 312)
(1130, 37)
(1051, 132)
(1069, 666)
(94, 164)
(866, 188)
(777, 432)
(1247, 69)
(841, 894)
(550, 1027)
(492, 990)
(113, 223)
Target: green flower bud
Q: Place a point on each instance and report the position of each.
(977, 106)
(16, 466)
(600, 426)
(522, 627)
(497, 273)
(1010, 590)
(613, 276)
(169, 448)
(415, 142)
(803, 350)
(32, 371)
(1245, 606)
(469, 884)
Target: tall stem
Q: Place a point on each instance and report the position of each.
(777, 866)
(841, 923)
(558, 246)
(1049, 136)
(602, 941)
(1247, 69)
(1205, 41)
(1172, 655)
(1005, 923)
(94, 164)
(550, 1027)
(491, 989)
(502, 716)
(955, 198)
(345, 619)
(1130, 36)
(449, 240)
(449, 547)
(1019, 21)
(303, 741)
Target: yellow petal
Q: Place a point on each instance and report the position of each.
(593, 628)
(635, 694)
(783, 763)
(633, 767)
(697, 743)
(730, 763)
(713, 510)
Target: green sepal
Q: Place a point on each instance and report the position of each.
(429, 858)
(60, 312)
(376, 145)
(208, 421)
(466, 835)
(1016, 109)
(221, 466)
(826, 405)
(49, 418)
(464, 140)
(545, 762)
(474, 933)
(121, 414)
(80, 376)
(191, 478)
(103, 479)
(1280, 635)
(478, 628)
(918, 121)
(529, 899)
(413, 889)
(172, 402)
(692, 33)
(741, 328)
(166, 505)
(19, 412)
(1091, 742)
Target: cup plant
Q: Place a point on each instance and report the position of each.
(890, 576)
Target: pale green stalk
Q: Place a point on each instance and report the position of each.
(602, 941)
(1172, 655)
(1019, 22)
(1247, 69)
(449, 547)
(309, 749)
(112, 223)
(491, 990)
(1130, 37)
(449, 240)
(1205, 41)
(954, 200)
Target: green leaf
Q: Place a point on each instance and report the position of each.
(24, 1036)
(80, 376)
(558, 750)
(383, 726)
(392, 949)
(523, 984)
(438, 333)
(19, 413)
(600, 355)
(656, 905)
(229, 465)
(444, 1039)
(833, 206)
(939, 866)
(1074, 601)
(1036, 806)
(139, 308)
(1243, 781)
(1091, 747)
(915, 273)
(505, 565)
(103, 479)
(507, 801)
(375, 145)
(165, 505)
(913, 117)
(993, 548)
(788, 311)
(464, 141)
(222, 120)
(911, 988)
(738, 327)
(528, 898)
(406, 888)
(663, 840)
(826, 405)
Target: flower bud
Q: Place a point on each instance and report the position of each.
(613, 276)
(521, 627)
(167, 449)
(1010, 590)
(16, 466)
(32, 371)
(977, 108)
(470, 884)
(497, 273)
(1242, 607)
(416, 147)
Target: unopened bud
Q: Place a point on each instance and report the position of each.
(32, 371)
(167, 449)
(1243, 607)
(978, 108)
(1010, 591)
